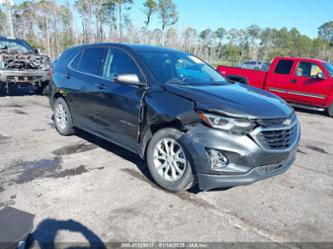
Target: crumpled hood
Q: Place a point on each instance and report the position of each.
(16, 60)
(234, 99)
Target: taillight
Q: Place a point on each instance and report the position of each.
(50, 72)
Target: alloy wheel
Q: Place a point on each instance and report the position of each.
(169, 159)
(61, 116)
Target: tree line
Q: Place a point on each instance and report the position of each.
(53, 27)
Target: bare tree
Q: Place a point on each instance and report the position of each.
(220, 33)
(325, 33)
(150, 8)
(3, 19)
(172, 38)
(168, 14)
(252, 35)
(190, 37)
(122, 6)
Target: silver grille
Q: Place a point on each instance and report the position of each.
(278, 137)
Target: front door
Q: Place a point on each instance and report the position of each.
(279, 81)
(309, 89)
(119, 104)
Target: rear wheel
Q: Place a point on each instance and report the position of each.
(43, 89)
(62, 117)
(168, 161)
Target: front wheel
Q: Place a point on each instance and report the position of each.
(169, 161)
(330, 110)
(62, 117)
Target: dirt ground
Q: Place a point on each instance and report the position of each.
(83, 185)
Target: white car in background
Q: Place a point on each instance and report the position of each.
(255, 65)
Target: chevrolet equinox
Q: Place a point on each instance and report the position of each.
(175, 111)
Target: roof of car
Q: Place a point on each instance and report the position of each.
(136, 47)
(300, 58)
(10, 38)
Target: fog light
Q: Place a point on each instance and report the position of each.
(217, 159)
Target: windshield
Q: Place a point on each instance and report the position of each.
(180, 68)
(19, 45)
(329, 68)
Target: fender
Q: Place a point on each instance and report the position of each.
(179, 113)
(329, 99)
(55, 93)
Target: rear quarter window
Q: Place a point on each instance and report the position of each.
(284, 67)
(76, 61)
(92, 61)
(64, 59)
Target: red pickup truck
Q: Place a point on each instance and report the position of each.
(305, 83)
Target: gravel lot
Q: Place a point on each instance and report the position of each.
(87, 181)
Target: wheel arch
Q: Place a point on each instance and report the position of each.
(150, 130)
(58, 95)
(179, 113)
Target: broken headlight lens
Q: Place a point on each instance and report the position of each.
(234, 125)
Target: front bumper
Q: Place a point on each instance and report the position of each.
(23, 76)
(248, 161)
(208, 182)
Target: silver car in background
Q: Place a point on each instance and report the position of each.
(255, 65)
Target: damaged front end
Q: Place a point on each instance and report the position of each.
(14, 60)
(21, 68)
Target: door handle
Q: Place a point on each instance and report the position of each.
(100, 86)
(293, 81)
(68, 76)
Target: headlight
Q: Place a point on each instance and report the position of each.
(235, 125)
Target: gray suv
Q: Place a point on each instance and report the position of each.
(176, 112)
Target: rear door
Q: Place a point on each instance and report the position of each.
(278, 80)
(85, 70)
(307, 89)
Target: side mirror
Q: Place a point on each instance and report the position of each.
(320, 76)
(129, 79)
(36, 51)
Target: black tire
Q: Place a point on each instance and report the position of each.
(330, 110)
(65, 129)
(186, 180)
(43, 89)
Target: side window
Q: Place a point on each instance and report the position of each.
(76, 62)
(92, 61)
(119, 62)
(283, 67)
(307, 69)
(160, 65)
(64, 59)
